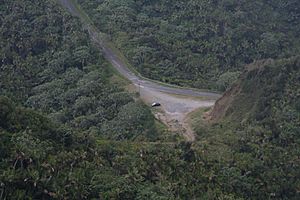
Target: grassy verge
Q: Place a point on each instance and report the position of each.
(195, 119)
(164, 133)
(189, 97)
(109, 44)
(117, 77)
(83, 15)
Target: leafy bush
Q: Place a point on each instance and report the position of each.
(226, 80)
(194, 42)
(50, 65)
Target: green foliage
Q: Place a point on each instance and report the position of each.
(84, 138)
(228, 164)
(194, 42)
(226, 80)
(50, 65)
(261, 131)
(133, 121)
(267, 90)
(5, 110)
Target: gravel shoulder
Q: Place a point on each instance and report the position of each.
(175, 109)
(176, 103)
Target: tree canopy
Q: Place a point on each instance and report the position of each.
(68, 132)
(195, 42)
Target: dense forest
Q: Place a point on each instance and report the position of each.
(259, 120)
(256, 159)
(68, 130)
(49, 64)
(199, 43)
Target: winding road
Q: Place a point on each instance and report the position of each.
(176, 102)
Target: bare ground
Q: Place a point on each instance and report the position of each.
(176, 103)
(174, 110)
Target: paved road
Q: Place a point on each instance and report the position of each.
(122, 68)
(176, 102)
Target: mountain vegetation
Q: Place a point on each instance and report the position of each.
(49, 64)
(252, 156)
(198, 43)
(259, 120)
(68, 131)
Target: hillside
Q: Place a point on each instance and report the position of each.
(49, 64)
(252, 156)
(69, 129)
(256, 124)
(202, 44)
(266, 90)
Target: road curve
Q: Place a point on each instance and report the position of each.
(123, 69)
(176, 102)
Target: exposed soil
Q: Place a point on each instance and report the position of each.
(174, 110)
(175, 102)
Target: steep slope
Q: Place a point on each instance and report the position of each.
(200, 43)
(176, 102)
(48, 151)
(255, 128)
(266, 89)
(48, 63)
(255, 159)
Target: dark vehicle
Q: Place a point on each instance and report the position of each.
(155, 104)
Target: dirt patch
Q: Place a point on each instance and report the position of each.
(221, 105)
(176, 126)
(174, 110)
(174, 106)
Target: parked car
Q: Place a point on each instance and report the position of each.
(155, 104)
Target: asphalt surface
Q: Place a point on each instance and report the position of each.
(175, 102)
(123, 69)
